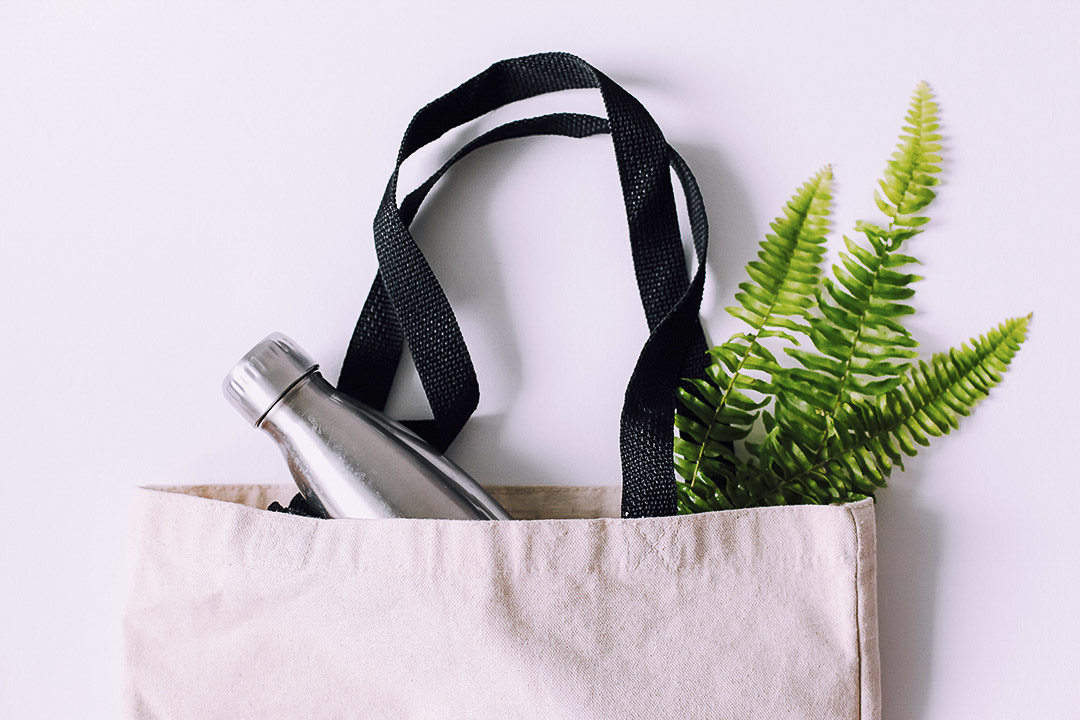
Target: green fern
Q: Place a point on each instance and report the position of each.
(854, 405)
(778, 294)
(862, 347)
(879, 432)
(909, 175)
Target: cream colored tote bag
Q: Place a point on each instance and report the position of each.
(596, 602)
(242, 613)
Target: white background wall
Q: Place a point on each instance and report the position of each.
(179, 179)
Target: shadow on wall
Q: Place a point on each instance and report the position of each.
(733, 234)
(909, 541)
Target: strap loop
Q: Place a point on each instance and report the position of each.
(407, 303)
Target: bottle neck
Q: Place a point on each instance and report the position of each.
(309, 382)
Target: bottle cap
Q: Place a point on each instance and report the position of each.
(265, 374)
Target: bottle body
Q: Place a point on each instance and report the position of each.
(351, 461)
(348, 460)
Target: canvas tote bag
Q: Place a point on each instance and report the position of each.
(598, 602)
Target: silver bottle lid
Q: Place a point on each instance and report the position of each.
(265, 374)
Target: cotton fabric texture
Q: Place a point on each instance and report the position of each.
(236, 612)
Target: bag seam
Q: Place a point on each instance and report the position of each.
(858, 610)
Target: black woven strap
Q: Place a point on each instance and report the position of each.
(378, 341)
(407, 304)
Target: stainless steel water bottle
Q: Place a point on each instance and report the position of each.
(348, 460)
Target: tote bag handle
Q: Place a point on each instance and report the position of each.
(406, 302)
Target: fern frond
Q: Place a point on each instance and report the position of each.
(778, 294)
(862, 348)
(874, 435)
(909, 174)
(783, 278)
(861, 351)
